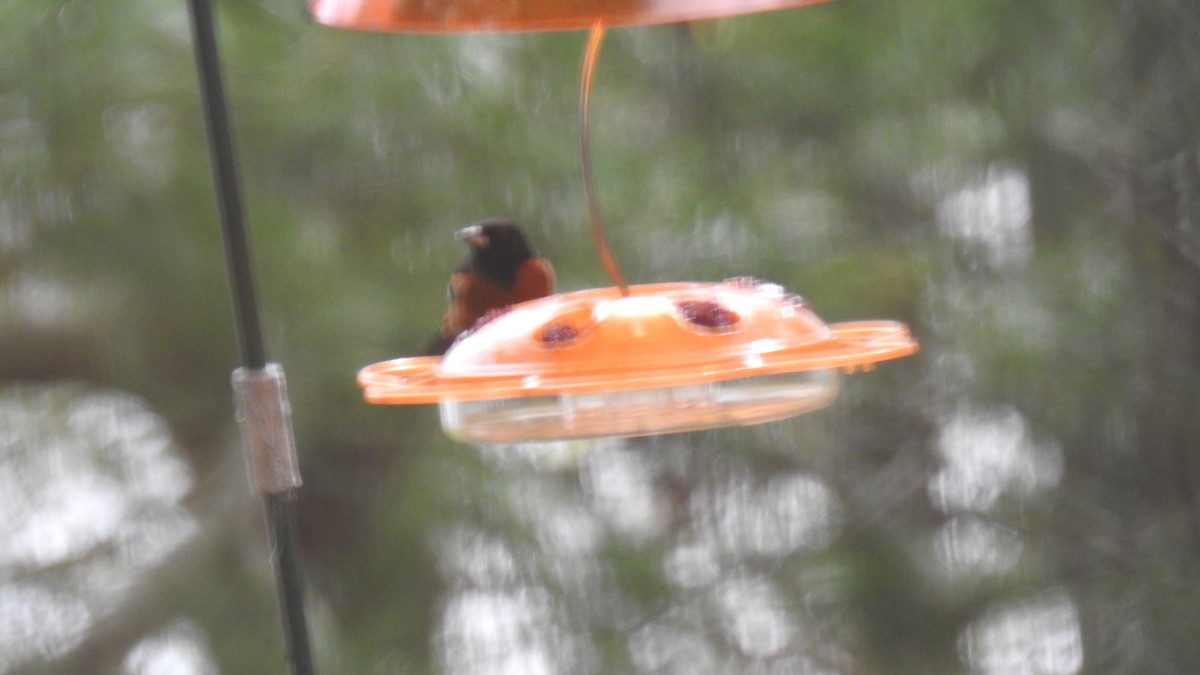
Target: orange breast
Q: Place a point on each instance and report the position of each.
(474, 296)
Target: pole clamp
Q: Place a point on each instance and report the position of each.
(264, 415)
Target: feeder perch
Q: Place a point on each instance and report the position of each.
(662, 358)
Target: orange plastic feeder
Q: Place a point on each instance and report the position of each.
(664, 358)
(628, 360)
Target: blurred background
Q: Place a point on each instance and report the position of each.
(1017, 180)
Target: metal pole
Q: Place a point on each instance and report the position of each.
(225, 177)
(263, 409)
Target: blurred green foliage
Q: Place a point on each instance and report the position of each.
(820, 148)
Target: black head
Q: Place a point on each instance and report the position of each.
(498, 247)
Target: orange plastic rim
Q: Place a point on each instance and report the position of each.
(641, 341)
(502, 16)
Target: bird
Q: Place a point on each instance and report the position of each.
(500, 269)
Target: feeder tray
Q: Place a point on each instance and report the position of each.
(497, 16)
(664, 358)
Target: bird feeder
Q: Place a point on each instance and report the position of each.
(626, 360)
(660, 358)
(499, 16)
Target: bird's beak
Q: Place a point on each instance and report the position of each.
(473, 235)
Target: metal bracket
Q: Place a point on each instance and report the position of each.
(264, 415)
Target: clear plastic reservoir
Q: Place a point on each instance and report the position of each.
(641, 412)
